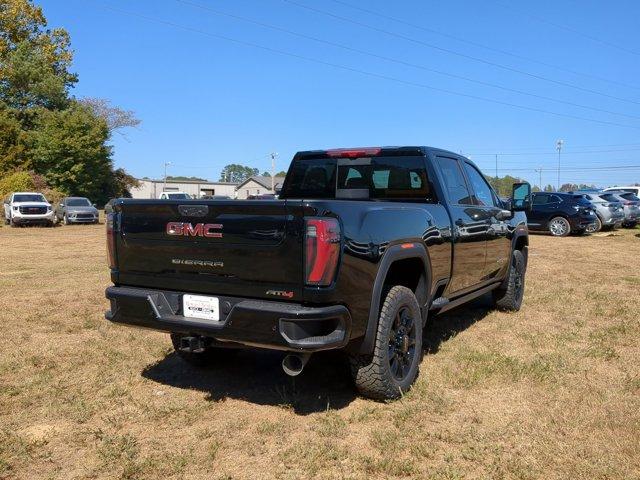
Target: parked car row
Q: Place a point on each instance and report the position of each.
(585, 211)
(32, 208)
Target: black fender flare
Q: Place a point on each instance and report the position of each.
(392, 254)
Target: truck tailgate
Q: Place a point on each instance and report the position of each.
(248, 248)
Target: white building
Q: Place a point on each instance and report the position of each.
(197, 189)
(258, 185)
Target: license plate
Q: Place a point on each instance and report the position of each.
(204, 308)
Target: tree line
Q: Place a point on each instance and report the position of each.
(49, 139)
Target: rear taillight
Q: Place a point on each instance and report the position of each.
(111, 240)
(322, 250)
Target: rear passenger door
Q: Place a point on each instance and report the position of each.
(535, 217)
(545, 207)
(498, 243)
(469, 231)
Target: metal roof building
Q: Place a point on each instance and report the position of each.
(153, 188)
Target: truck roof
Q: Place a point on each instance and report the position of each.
(357, 152)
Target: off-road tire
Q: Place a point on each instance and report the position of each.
(212, 354)
(372, 374)
(65, 220)
(509, 297)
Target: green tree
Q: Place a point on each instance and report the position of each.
(568, 187)
(16, 182)
(188, 179)
(42, 128)
(70, 150)
(13, 142)
(549, 188)
(503, 185)
(281, 173)
(118, 185)
(237, 173)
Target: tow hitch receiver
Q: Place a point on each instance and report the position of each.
(192, 344)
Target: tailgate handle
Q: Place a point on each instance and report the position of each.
(193, 210)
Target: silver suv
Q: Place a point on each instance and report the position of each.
(609, 210)
(631, 205)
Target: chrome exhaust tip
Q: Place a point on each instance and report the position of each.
(294, 363)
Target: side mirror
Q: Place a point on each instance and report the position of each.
(94, 205)
(521, 197)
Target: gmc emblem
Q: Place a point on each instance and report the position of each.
(197, 230)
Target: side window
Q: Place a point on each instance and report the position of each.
(454, 181)
(540, 199)
(555, 199)
(481, 188)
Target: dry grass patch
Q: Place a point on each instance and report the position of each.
(551, 392)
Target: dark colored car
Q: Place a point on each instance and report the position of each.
(560, 213)
(362, 246)
(76, 210)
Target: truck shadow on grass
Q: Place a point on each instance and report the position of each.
(256, 376)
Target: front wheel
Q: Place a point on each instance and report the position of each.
(559, 227)
(65, 219)
(509, 297)
(393, 367)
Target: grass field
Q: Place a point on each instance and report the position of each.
(550, 392)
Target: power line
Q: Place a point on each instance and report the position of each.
(491, 151)
(568, 29)
(364, 72)
(480, 45)
(535, 169)
(459, 54)
(397, 61)
(530, 154)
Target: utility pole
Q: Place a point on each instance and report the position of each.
(164, 187)
(559, 144)
(273, 171)
(539, 170)
(496, 166)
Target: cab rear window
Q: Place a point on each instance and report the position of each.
(401, 178)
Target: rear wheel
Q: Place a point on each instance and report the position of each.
(393, 367)
(559, 227)
(509, 297)
(595, 227)
(209, 355)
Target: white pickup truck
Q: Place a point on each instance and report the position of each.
(21, 208)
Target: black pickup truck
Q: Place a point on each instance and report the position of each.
(362, 245)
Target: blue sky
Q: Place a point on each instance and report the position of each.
(206, 101)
